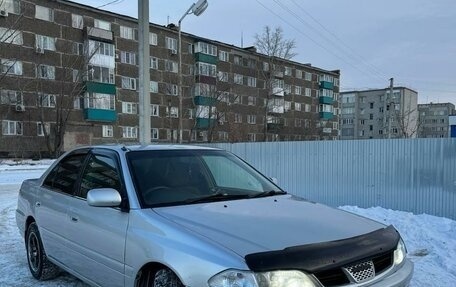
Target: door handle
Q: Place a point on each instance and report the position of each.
(74, 219)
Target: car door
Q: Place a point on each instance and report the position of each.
(52, 202)
(97, 234)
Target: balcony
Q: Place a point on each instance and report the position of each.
(326, 115)
(326, 100)
(326, 85)
(101, 88)
(278, 92)
(97, 33)
(100, 115)
(202, 123)
(204, 101)
(200, 57)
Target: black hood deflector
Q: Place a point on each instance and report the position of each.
(327, 255)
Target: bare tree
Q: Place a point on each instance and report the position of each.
(272, 43)
(407, 122)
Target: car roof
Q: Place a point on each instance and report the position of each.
(125, 148)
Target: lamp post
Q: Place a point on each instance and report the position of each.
(197, 9)
(144, 73)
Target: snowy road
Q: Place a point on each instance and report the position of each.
(431, 241)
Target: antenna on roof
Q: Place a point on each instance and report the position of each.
(242, 39)
(167, 21)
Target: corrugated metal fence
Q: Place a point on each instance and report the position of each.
(417, 175)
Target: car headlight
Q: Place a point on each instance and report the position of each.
(238, 278)
(399, 253)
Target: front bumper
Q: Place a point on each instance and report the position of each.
(400, 278)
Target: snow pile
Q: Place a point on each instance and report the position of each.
(430, 241)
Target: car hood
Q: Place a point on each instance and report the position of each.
(267, 224)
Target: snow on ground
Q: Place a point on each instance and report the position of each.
(430, 240)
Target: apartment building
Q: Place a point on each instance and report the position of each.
(452, 126)
(434, 120)
(374, 114)
(69, 76)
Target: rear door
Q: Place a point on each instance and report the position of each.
(52, 202)
(97, 234)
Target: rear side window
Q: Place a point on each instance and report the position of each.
(64, 176)
(100, 172)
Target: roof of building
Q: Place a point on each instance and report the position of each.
(376, 90)
(251, 50)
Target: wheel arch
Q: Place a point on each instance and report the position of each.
(155, 266)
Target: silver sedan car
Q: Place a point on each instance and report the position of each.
(169, 216)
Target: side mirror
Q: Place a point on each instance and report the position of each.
(274, 180)
(103, 197)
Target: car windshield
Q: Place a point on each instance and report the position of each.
(176, 177)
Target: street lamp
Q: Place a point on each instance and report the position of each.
(197, 9)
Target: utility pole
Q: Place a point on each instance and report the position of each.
(391, 107)
(144, 73)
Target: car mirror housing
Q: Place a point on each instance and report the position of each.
(104, 197)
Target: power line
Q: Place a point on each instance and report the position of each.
(311, 39)
(111, 3)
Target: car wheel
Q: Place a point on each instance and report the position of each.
(40, 267)
(159, 278)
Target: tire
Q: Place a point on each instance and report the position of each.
(39, 265)
(158, 278)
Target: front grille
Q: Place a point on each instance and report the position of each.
(337, 277)
(361, 272)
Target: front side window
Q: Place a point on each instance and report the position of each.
(64, 176)
(183, 177)
(100, 172)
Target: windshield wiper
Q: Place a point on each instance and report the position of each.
(267, 193)
(219, 196)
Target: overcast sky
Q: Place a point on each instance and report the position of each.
(413, 41)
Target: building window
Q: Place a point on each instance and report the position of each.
(251, 137)
(42, 130)
(298, 74)
(297, 106)
(238, 118)
(44, 13)
(154, 133)
(174, 112)
(77, 48)
(265, 66)
(153, 39)
(100, 24)
(172, 89)
(223, 136)
(171, 66)
(371, 116)
(298, 123)
(308, 76)
(127, 33)
(223, 76)
(128, 58)
(288, 71)
(298, 90)
(238, 79)
(251, 100)
(129, 108)
(77, 21)
(10, 67)
(153, 87)
(11, 36)
(129, 132)
(100, 48)
(171, 44)
(46, 100)
(326, 108)
(101, 74)
(129, 83)
(224, 56)
(206, 69)
(8, 97)
(11, 128)
(371, 105)
(251, 119)
(100, 101)
(251, 82)
(287, 106)
(155, 110)
(307, 108)
(371, 127)
(107, 131)
(11, 6)
(45, 42)
(237, 60)
(154, 63)
(206, 48)
(46, 72)
(336, 82)
(308, 92)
